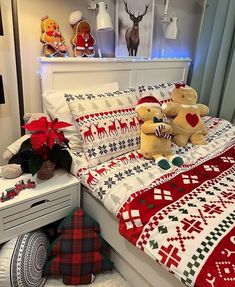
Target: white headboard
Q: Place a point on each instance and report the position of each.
(63, 73)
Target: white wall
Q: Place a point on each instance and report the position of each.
(9, 114)
(189, 14)
(30, 13)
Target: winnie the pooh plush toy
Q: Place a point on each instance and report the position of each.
(155, 135)
(82, 41)
(187, 124)
(51, 37)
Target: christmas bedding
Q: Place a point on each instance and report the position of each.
(183, 218)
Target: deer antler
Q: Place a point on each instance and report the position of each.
(146, 9)
(127, 10)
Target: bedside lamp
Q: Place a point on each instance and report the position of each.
(171, 29)
(169, 25)
(103, 19)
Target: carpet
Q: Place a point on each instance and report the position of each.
(108, 279)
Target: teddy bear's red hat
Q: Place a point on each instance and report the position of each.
(148, 101)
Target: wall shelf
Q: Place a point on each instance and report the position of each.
(110, 60)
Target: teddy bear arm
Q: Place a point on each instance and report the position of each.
(7, 154)
(204, 131)
(46, 39)
(204, 110)
(73, 40)
(148, 128)
(42, 38)
(171, 109)
(14, 147)
(167, 129)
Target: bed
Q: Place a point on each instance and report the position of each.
(176, 220)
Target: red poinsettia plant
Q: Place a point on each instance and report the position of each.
(47, 142)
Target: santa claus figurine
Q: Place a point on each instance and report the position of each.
(83, 42)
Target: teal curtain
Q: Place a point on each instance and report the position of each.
(214, 69)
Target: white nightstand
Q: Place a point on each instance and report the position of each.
(51, 200)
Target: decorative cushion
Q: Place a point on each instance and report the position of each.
(56, 107)
(79, 252)
(162, 92)
(108, 125)
(22, 260)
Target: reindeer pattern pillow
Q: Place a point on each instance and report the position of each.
(108, 124)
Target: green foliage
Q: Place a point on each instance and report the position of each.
(26, 145)
(59, 155)
(35, 163)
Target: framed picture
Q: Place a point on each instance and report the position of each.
(1, 27)
(2, 99)
(134, 28)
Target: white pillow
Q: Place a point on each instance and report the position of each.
(57, 107)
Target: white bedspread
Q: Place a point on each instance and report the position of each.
(113, 182)
(163, 212)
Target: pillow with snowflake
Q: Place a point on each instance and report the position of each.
(162, 92)
(108, 134)
(82, 103)
(108, 126)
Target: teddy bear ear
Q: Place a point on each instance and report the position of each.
(179, 85)
(26, 117)
(33, 116)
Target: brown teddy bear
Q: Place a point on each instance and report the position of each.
(187, 124)
(54, 42)
(82, 41)
(155, 139)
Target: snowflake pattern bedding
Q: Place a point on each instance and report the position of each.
(183, 218)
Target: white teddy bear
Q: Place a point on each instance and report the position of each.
(14, 170)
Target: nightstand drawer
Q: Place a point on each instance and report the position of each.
(37, 211)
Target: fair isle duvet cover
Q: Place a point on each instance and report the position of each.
(184, 218)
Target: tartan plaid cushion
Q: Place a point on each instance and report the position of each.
(79, 252)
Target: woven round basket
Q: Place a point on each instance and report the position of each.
(46, 171)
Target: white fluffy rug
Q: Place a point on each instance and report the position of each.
(109, 279)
